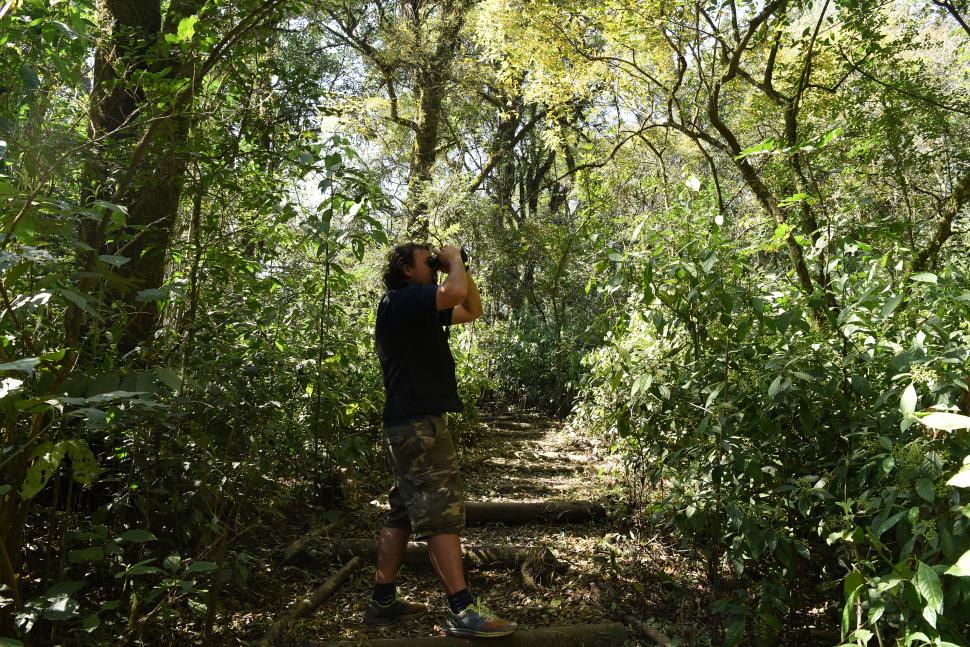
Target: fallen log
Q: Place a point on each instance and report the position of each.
(307, 540)
(477, 512)
(416, 553)
(658, 638)
(278, 630)
(562, 636)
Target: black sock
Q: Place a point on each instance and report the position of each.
(460, 600)
(384, 593)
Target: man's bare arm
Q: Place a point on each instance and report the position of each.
(454, 290)
(471, 308)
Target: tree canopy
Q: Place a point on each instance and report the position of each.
(726, 239)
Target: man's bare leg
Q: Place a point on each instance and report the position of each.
(391, 544)
(445, 552)
(384, 606)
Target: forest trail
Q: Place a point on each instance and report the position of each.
(572, 578)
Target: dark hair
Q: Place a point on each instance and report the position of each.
(397, 258)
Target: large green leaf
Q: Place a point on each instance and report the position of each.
(961, 568)
(961, 478)
(25, 365)
(945, 421)
(84, 465)
(137, 535)
(9, 385)
(927, 583)
(889, 522)
(46, 459)
(925, 489)
(81, 555)
(907, 402)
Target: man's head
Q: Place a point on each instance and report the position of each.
(408, 263)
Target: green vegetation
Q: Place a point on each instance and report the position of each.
(727, 239)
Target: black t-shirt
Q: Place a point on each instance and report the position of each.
(412, 346)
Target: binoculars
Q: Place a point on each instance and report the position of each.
(435, 263)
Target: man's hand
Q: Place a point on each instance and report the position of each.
(451, 256)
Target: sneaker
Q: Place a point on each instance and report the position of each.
(386, 614)
(477, 621)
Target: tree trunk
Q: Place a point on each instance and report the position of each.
(151, 188)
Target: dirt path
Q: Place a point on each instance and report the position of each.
(506, 458)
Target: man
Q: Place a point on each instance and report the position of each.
(427, 498)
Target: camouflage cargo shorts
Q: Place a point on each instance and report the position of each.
(428, 495)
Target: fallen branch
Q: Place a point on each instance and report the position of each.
(307, 540)
(278, 630)
(647, 631)
(416, 553)
(513, 512)
(563, 636)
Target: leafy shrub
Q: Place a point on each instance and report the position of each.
(793, 452)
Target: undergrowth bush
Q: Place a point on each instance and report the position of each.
(801, 457)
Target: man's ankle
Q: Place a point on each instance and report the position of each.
(460, 600)
(384, 592)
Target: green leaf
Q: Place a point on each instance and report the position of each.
(925, 489)
(84, 464)
(80, 300)
(961, 478)
(765, 147)
(46, 460)
(172, 562)
(111, 396)
(137, 535)
(186, 28)
(9, 385)
(852, 582)
(151, 294)
(886, 524)
(944, 421)
(907, 403)
(924, 277)
(961, 568)
(91, 622)
(117, 261)
(169, 378)
(10, 642)
(141, 568)
(66, 587)
(61, 607)
(25, 365)
(927, 583)
(200, 567)
(775, 386)
(81, 555)
(111, 206)
(29, 77)
(887, 464)
(794, 199)
(890, 306)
